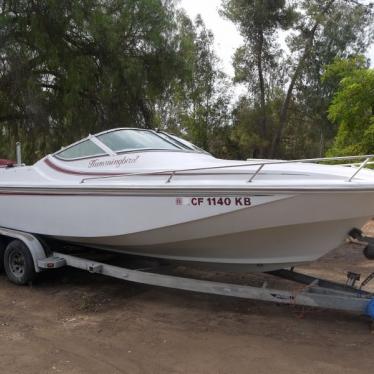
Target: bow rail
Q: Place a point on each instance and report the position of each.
(171, 173)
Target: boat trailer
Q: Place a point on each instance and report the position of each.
(23, 255)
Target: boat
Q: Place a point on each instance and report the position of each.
(150, 193)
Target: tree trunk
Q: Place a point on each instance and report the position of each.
(147, 114)
(283, 116)
(262, 88)
(286, 103)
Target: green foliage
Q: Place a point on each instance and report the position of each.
(197, 107)
(73, 67)
(256, 63)
(284, 113)
(352, 107)
(258, 22)
(69, 68)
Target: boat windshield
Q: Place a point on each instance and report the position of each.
(84, 149)
(123, 140)
(128, 139)
(187, 144)
(173, 140)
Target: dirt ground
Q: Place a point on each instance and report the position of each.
(74, 322)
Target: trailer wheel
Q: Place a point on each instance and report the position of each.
(369, 252)
(18, 263)
(2, 250)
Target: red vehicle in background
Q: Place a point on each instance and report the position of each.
(6, 163)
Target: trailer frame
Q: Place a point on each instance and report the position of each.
(315, 293)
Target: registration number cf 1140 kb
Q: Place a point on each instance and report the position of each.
(214, 201)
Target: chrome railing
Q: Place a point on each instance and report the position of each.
(173, 172)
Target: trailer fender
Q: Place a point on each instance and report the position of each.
(33, 244)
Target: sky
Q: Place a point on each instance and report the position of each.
(227, 37)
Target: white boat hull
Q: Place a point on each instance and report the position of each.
(257, 250)
(276, 231)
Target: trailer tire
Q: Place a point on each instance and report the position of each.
(18, 263)
(369, 252)
(2, 252)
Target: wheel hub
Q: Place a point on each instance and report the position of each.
(17, 263)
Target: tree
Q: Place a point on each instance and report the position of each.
(68, 68)
(343, 30)
(197, 106)
(258, 22)
(318, 32)
(207, 91)
(352, 107)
